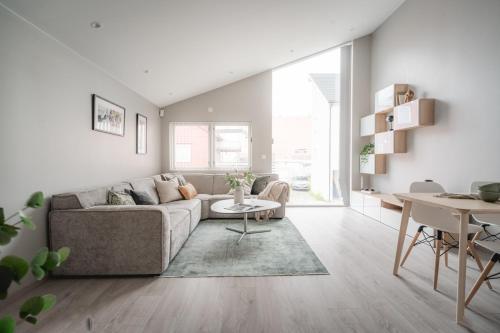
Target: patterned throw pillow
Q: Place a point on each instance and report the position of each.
(119, 198)
(260, 184)
(174, 176)
(188, 191)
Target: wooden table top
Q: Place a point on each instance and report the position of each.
(458, 205)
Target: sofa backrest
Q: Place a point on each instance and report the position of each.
(215, 183)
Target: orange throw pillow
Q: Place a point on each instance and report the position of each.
(188, 191)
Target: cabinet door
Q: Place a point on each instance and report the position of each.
(390, 142)
(357, 199)
(372, 207)
(367, 125)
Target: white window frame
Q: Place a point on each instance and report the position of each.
(211, 144)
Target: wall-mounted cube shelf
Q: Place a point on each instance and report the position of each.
(390, 142)
(374, 164)
(374, 123)
(417, 113)
(386, 98)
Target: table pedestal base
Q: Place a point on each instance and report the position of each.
(245, 231)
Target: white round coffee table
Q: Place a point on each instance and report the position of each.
(260, 205)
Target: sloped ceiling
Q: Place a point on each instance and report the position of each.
(168, 50)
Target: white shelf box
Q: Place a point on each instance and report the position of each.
(375, 164)
(390, 142)
(417, 113)
(386, 98)
(374, 123)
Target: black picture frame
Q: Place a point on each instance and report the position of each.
(102, 111)
(141, 129)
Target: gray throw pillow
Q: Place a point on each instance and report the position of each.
(141, 197)
(260, 184)
(171, 176)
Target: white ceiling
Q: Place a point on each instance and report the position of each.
(192, 46)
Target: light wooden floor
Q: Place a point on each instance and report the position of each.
(359, 295)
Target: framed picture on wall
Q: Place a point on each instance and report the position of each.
(107, 116)
(142, 134)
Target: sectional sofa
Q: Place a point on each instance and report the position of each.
(131, 240)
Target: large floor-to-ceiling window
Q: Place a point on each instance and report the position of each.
(306, 128)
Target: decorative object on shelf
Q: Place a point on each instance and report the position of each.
(368, 191)
(107, 116)
(142, 134)
(409, 95)
(389, 119)
(400, 98)
(14, 268)
(367, 150)
(387, 98)
(238, 183)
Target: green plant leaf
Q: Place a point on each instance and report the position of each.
(31, 307)
(2, 216)
(31, 319)
(38, 272)
(41, 257)
(26, 220)
(63, 254)
(6, 278)
(53, 261)
(7, 324)
(17, 265)
(9, 229)
(4, 238)
(36, 200)
(49, 301)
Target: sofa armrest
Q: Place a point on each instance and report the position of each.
(112, 240)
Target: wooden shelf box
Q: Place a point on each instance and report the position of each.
(386, 98)
(374, 123)
(417, 113)
(390, 142)
(375, 164)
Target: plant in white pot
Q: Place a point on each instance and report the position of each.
(239, 184)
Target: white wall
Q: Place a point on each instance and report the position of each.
(360, 103)
(46, 140)
(448, 50)
(248, 100)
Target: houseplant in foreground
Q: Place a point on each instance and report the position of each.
(237, 182)
(14, 268)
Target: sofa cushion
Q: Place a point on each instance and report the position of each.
(220, 185)
(168, 191)
(193, 207)
(148, 185)
(179, 230)
(94, 197)
(121, 187)
(202, 182)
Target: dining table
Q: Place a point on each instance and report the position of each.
(462, 208)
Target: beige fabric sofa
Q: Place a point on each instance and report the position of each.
(131, 240)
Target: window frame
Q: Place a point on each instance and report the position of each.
(211, 144)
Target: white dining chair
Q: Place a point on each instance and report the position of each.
(493, 246)
(489, 222)
(442, 222)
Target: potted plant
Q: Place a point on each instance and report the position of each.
(14, 268)
(237, 182)
(367, 150)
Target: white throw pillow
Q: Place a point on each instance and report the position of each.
(168, 191)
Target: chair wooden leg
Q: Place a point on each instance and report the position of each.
(412, 245)
(472, 249)
(481, 278)
(446, 249)
(438, 255)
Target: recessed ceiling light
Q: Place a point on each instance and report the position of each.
(292, 50)
(230, 73)
(146, 71)
(170, 94)
(95, 25)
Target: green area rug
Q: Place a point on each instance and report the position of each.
(211, 250)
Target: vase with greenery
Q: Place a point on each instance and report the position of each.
(14, 268)
(237, 182)
(367, 150)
